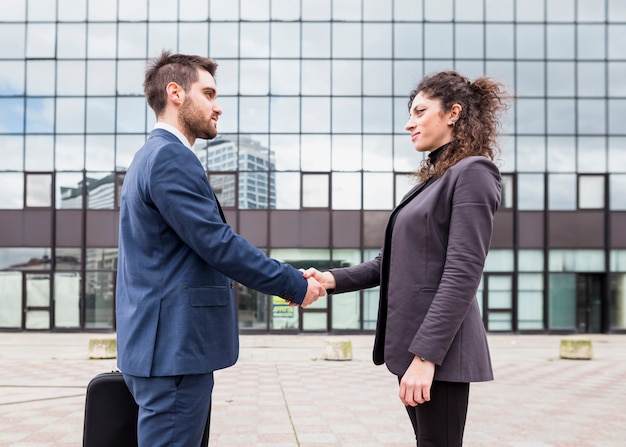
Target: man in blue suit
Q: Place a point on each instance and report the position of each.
(175, 308)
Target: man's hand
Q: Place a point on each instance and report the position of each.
(416, 382)
(326, 279)
(314, 291)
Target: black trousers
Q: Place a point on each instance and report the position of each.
(441, 420)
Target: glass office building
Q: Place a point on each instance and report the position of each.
(313, 154)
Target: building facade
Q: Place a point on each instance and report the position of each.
(313, 154)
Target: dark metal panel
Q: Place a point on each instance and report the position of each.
(346, 229)
(102, 228)
(374, 223)
(11, 228)
(530, 229)
(37, 228)
(503, 236)
(315, 229)
(576, 229)
(253, 226)
(284, 229)
(304, 229)
(69, 228)
(618, 230)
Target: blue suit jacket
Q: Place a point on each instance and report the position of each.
(175, 305)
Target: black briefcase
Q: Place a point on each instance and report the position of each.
(111, 414)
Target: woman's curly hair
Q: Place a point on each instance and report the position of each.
(476, 130)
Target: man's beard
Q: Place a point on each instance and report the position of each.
(193, 124)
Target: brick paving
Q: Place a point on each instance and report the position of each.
(282, 393)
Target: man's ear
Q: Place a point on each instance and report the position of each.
(175, 93)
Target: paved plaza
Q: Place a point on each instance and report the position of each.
(282, 393)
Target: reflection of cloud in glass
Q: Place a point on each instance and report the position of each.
(11, 78)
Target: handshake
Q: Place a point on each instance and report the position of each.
(319, 282)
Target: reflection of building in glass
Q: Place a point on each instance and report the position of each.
(251, 160)
(100, 193)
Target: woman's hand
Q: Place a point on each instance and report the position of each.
(416, 382)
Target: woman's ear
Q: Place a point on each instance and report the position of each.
(455, 113)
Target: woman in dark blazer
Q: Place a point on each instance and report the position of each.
(429, 331)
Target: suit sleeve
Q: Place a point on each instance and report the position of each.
(357, 277)
(475, 199)
(179, 188)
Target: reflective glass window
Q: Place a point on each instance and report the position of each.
(224, 10)
(408, 10)
(11, 152)
(100, 190)
(285, 40)
(377, 40)
(469, 10)
(101, 77)
(499, 40)
(580, 260)
(507, 200)
(99, 289)
(529, 41)
(404, 157)
(69, 153)
(590, 11)
(343, 77)
(591, 192)
(531, 154)
(71, 78)
(435, 10)
(530, 260)
(346, 152)
(562, 191)
(403, 183)
(70, 115)
(499, 260)
(125, 148)
(12, 41)
(255, 77)
(406, 75)
(316, 40)
(285, 77)
(377, 152)
(469, 41)
(378, 190)
(99, 42)
(316, 9)
(11, 115)
(133, 11)
(499, 10)
(530, 116)
(591, 79)
(223, 38)
(530, 79)
(39, 153)
(41, 11)
(529, 11)
(616, 42)
(284, 114)
(38, 190)
(346, 191)
(316, 77)
(287, 187)
(561, 78)
(530, 192)
(130, 77)
(100, 115)
(617, 112)
(617, 74)
(17, 13)
(377, 78)
(617, 186)
(162, 9)
(591, 154)
(590, 42)
(193, 10)
(253, 116)
(100, 153)
(255, 40)
(316, 115)
(285, 10)
(132, 40)
(12, 78)
(101, 11)
(315, 153)
(11, 190)
(131, 114)
(40, 115)
(346, 10)
(346, 40)
(561, 116)
(315, 190)
(193, 38)
(71, 40)
(40, 78)
(286, 149)
(591, 116)
(255, 9)
(438, 41)
(11, 297)
(560, 41)
(407, 40)
(530, 301)
(377, 115)
(160, 36)
(345, 117)
(561, 154)
(617, 154)
(560, 10)
(67, 300)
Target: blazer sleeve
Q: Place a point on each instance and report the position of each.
(357, 277)
(475, 197)
(179, 188)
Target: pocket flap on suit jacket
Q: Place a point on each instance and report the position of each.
(209, 296)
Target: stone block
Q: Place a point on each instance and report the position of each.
(576, 348)
(103, 348)
(338, 349)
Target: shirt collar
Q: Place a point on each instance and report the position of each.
(177, 133)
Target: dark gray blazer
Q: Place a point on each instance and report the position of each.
(429, 269)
